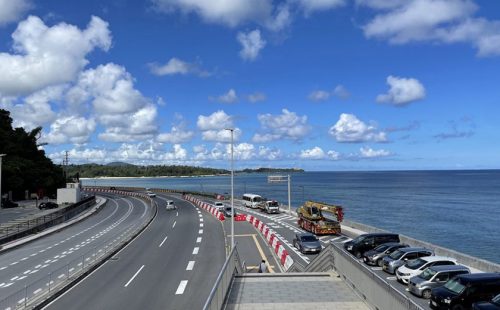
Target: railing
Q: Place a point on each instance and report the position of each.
(39, 291)
(374, 289)
(231, 267)
(39, 223)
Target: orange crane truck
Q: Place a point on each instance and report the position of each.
(320, 218)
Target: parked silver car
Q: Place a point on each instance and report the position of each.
(375, 256)
(399, 257)
(432, 277)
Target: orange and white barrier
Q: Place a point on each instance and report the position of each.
(206, 206)
(276, 245)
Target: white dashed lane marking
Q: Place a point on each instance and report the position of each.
(133, 277)
(190, 265)
(174, 224)
(196, 250)
(198, 240)
(164, 239)
(182, 287)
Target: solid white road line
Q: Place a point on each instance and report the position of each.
(133, 277)
(182, 287)
(165, 239)
(195, 250)
(174, 224)
(190, 265)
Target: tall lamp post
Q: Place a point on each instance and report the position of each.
(232, 188)
(1, 156)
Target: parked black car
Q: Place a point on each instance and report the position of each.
(9, 204)
(307, 243)
(376, 256)
(494, 304)
(48, 205)
(463, 290)
(367, 242)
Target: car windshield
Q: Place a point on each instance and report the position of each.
(427, 274)
(454, 286)
(381, 248)
(415, 263)
(358, 239)
(228, 209)
(496, 300)
(218, 204)
(396, 254)
(309, 238)
(257, 199)
(273, 204)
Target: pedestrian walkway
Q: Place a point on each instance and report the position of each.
(319, 291)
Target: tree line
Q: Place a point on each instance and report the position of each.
(25, 166)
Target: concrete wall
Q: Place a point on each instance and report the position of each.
(68, 195)
(471, 261)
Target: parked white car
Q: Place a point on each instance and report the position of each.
(416, 266)
(219, 206)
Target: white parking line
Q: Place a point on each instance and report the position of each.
(182, 287)
(196, 250)
(133, 277)
(165, 239)
(190, 265)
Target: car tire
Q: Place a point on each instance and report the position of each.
(380, 263)
(426, 294)
(358, 254)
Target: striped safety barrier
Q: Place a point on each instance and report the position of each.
(206, 206)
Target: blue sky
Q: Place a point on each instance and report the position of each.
(314, 84)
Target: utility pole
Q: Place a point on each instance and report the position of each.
(1, 156)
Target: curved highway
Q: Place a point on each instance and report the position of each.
(37, 266)
(172, 264)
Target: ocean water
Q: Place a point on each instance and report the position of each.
(459, 210)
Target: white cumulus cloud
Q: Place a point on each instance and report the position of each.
(367, 152)
(287, 125)
(314, 153)
(178, 134)
(214, 127)
(13, 10)
(350, 129)
(251, 43)
(402, 91)
(72, 129)
(319, 95)
(310, 6)
(256, 97)
(229, 97)
(177, 66)
(45, 56)
(445, 21)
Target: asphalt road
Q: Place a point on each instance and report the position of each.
(172, 264)
(30, 269)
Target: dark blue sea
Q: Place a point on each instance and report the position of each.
(459, 210)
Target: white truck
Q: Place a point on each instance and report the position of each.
(270, 206)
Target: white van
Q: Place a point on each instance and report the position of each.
(251, 200)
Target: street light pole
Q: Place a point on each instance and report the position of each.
(232, 187)
(1, 156)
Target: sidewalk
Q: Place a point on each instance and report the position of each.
(319, 291)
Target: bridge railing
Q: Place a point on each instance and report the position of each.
(232, 267)
(37, 223)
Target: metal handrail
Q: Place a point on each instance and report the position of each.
(233, 265)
